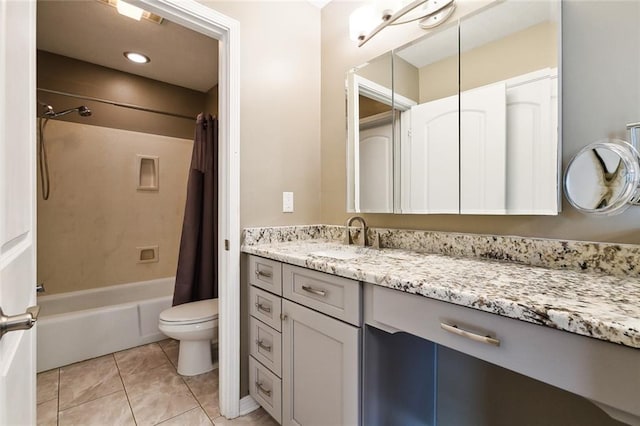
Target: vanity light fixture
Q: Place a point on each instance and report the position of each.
(136, 57)
(367, 21)
(133, 12)
(129, 10)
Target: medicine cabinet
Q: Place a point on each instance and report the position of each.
(464, 120)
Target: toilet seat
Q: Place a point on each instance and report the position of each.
(191, 313)
(195, 326)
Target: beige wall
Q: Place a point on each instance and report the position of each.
(522, 52)
(531, 49)
(378, 70)
(280, 119)
(95, 217)
(211, 101)
(406, 78)
(600, 91)
(69, 75)
(280, 109)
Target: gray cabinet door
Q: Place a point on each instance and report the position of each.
(320, 369)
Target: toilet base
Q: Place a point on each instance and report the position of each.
(194, 357)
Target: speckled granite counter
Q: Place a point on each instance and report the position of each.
(601, 306)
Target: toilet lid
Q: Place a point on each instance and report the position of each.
(204, 310)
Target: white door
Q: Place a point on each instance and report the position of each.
(17, 207)
(532, 144)
(483, 150)
(430, 172)
(376, 169)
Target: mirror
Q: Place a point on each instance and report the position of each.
(603, 178)
(371, 179)
(509, 109)
(426, 71)
(466, 118)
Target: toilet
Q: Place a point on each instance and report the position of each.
(195, 325)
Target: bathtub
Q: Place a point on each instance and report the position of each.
(86, 324)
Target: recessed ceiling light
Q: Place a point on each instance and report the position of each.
(138, 58)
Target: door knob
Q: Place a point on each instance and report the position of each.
(18, 322)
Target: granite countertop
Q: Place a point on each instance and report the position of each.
(601, 306)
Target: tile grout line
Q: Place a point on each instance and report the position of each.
(199, 404)
(187, 386)
(88, 401)
(126, 394)
(177, 415)
(196, 398)
(190, 390)
(167, 355)
(93, 399)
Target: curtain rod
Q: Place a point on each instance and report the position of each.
(119, 104)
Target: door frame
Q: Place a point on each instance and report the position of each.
(203, 19)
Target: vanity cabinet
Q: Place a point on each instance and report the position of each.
(320, 374)
(604, 373)
(305, 341)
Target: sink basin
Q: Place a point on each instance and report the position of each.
(346, 254)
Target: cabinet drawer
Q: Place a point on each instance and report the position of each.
(266, 307)
(266, 389)
(266, 345)
(598, 370)
(266, 274)
(335, 296)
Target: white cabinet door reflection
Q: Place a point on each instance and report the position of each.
(483, 151)
(376, 166)
(430, 173)
(532, 154)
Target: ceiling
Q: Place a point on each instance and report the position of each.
(94, 32)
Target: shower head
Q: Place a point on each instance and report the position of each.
(82, 110)
(48, 109)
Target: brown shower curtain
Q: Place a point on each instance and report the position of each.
(197, 274)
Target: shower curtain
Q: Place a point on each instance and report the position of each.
(197, 273)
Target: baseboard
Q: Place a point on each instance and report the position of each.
(247, 405)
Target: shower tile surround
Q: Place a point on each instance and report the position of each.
(587, 288)
(135, 386)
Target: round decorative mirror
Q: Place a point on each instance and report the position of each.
(603, 178)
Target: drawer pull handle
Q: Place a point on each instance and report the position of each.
(264, 274)
(263, 308)
(473, 336)
(263, 390)
(263, 346)
(312, 290)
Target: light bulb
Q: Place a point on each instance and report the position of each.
(362, 21)
(129, 10)
(386, 8)
(136, 57)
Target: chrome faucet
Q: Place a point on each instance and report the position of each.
(347, 239)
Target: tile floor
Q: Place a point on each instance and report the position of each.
(139, 386)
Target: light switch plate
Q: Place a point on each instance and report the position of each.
(287, 202)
